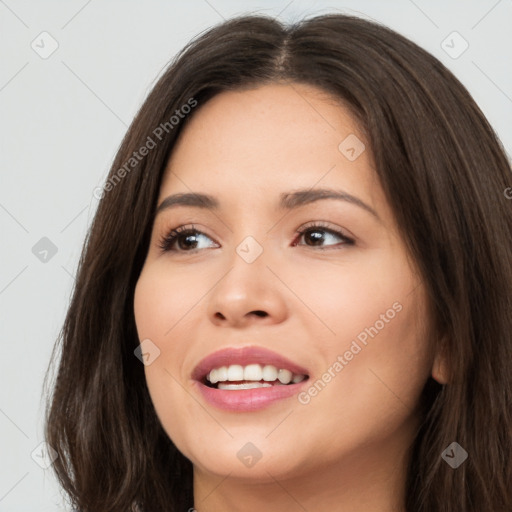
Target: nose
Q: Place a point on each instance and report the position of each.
(249, 293)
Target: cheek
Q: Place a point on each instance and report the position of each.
(162, 300)
(374, 362)
(164, 313)
(356, 297)
(376, 369)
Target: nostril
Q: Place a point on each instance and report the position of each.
(260, 313)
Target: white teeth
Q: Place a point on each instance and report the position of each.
(222, 373)
(269, 373)
(213, 377)
(252, 372)
(235, 372)
(284, 376)
(218, 375)
(245, 385)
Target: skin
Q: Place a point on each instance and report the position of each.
(346, 449)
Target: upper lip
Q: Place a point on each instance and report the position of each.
(244, 356)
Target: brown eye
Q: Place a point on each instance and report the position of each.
(186, 238)
(314, 235)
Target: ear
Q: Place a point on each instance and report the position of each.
(440, 369)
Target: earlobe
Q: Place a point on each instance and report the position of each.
(440, 370)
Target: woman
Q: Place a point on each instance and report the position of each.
(296, 289)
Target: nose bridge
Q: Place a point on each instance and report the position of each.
(248, 272)
(248, 286)
(251, 244)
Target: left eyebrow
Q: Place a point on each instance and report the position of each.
(287, 200)
(299, 198)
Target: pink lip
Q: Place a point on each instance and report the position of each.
(244, 356)
(246, 399)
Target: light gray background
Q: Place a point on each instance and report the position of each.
(63, 117)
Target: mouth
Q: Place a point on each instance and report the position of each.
(251, 376)
(247, 378)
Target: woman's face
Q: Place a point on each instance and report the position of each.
(339, 306)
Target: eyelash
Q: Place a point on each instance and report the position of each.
(167, 241)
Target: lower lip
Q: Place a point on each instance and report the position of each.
(245, 400)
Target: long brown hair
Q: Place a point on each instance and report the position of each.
(444, 173)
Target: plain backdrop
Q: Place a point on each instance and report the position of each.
(62, 117)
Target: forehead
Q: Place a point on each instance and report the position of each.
(271, 138)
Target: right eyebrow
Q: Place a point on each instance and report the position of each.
(195, 199)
